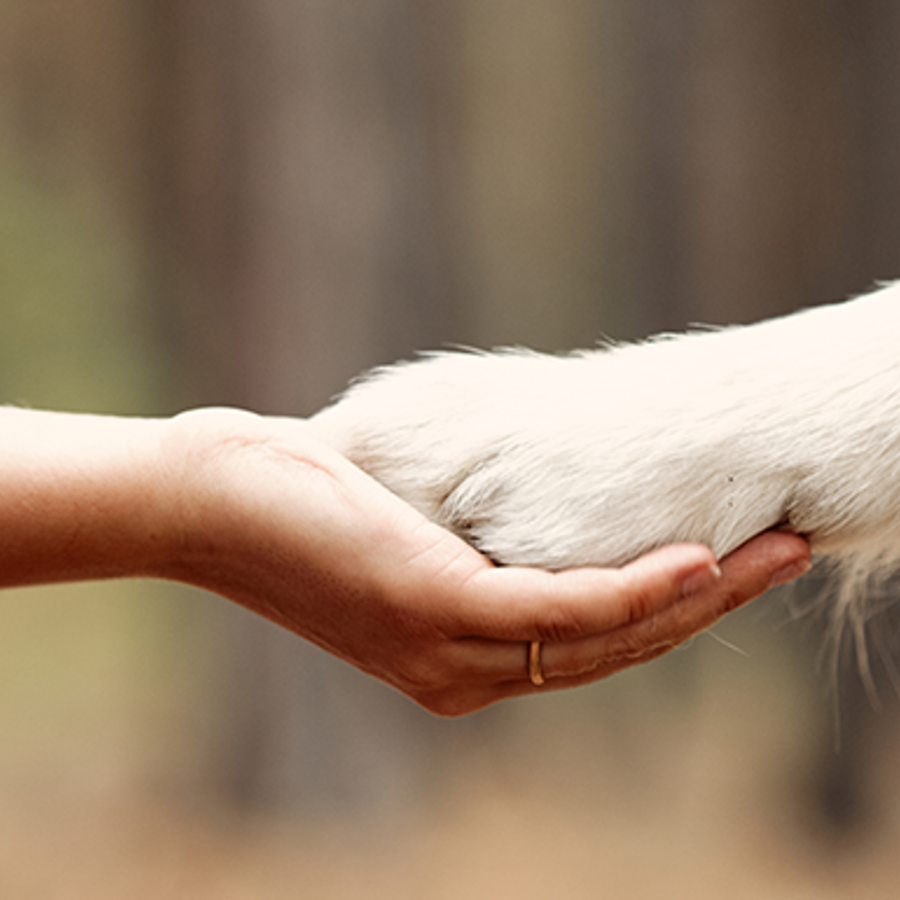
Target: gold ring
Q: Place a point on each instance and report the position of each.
(535, 672)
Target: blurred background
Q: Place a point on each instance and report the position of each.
(236, 202)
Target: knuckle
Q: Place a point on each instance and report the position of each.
(559, 624)
(641, 598)
(639, 603)
(648, 640)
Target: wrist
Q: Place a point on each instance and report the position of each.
(203, 454)
(256, 498)
(83, 497)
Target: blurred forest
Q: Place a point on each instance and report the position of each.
(247, 203)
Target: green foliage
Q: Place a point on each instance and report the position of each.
(71, 335)
(86, 671)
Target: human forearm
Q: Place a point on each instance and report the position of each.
(81, 497)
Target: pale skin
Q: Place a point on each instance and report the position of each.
(258, 511)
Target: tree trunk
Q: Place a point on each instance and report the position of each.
(297, 196)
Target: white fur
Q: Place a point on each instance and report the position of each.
(596, 457)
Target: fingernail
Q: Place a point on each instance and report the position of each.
(699, 581)
(790, 572)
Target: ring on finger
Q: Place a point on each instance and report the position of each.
(535, 671)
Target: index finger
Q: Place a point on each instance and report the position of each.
(522, 604)
(519, 604)
(749, 571)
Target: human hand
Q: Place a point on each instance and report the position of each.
(276, 521)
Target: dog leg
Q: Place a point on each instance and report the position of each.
(596, 457)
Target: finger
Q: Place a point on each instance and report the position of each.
(470, 695)
(517, 603)
(745, 574)
(488, 671)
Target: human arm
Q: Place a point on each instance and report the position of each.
(260, 512)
